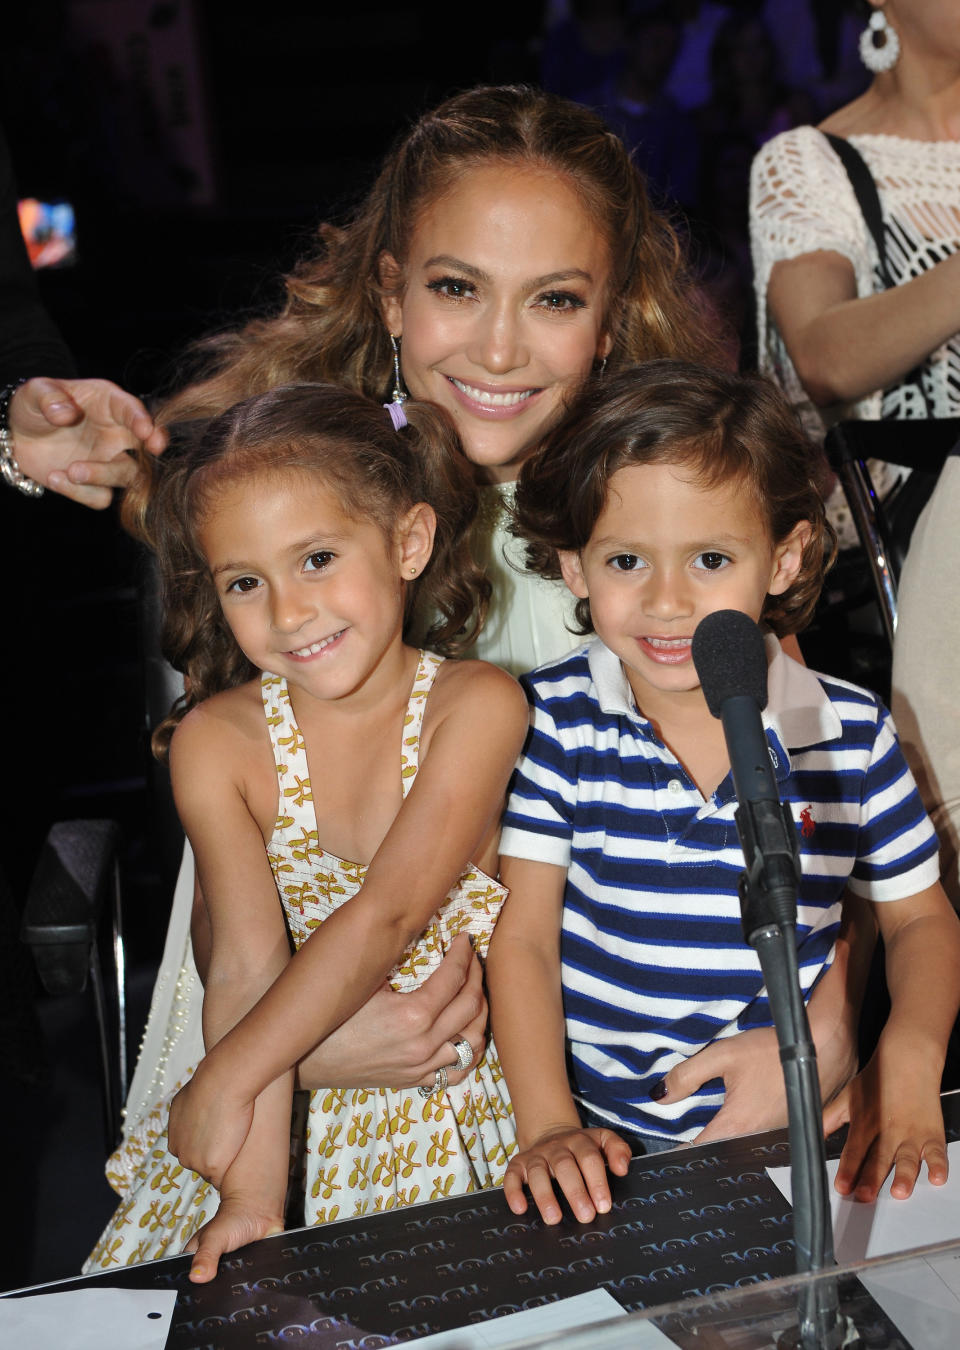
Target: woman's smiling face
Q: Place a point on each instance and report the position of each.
(502, 308)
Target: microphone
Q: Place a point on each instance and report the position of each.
(731, 663)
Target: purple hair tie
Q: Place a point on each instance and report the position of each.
(397, 416)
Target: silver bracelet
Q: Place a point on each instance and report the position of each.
(13, 475)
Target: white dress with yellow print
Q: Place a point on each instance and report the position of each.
(366, 1149)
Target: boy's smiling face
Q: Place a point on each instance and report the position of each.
(666, 551)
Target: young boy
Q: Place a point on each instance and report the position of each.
(670, 492)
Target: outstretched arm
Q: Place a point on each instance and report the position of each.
(72, 436)
(893, 1105)
(523, 975)
(479, 719)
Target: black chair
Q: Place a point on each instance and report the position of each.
(884, 528)
(75, 884)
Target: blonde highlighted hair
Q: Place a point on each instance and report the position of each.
(331, 327)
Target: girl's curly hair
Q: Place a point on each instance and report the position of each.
(376, 473)
(722, 427)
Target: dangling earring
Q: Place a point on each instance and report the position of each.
(399, 394)
(602, 368)
(879, 44)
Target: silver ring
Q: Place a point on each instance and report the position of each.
(464, 1054)
(439, 1083)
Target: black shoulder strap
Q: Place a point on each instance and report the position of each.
(868, 199)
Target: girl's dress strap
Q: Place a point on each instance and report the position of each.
(427, 668)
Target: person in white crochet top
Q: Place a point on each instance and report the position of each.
(841, 344)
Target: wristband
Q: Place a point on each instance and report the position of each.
(12, 473)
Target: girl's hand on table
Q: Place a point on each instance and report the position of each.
(239, 1220)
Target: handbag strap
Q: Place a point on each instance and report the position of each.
(868, 199)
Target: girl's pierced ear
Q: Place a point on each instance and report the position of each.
(399, 394)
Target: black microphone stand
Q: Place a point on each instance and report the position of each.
(768, 907)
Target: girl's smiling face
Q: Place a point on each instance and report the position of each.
(501, 307)
(308, 591)
(665, 552)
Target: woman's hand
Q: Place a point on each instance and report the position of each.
(577, 1159)
(400, 1040)
(72, 436)
(207, 1130)
(754, 1094)
(239, 1220)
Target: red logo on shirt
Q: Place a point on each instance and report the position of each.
(807, 822)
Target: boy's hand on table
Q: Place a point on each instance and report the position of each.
(577, 1159)
(896, 1123)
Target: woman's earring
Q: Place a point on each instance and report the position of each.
(879, 44)
(399, 394)
(602, 368)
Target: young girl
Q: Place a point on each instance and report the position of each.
(318, 755)
(678, 492)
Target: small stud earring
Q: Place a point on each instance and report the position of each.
(413, 571)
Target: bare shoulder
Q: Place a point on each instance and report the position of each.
(478, 682)
(476, 692)
(228, 723)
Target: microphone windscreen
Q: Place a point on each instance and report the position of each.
(730, 658)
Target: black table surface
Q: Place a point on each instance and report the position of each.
(684, 1224)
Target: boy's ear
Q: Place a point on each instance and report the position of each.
(390, 275)
(571, 569)
(415, 534)
(788, 557)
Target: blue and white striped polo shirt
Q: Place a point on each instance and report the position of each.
(654, 963)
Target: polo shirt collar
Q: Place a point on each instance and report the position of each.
(798, 711)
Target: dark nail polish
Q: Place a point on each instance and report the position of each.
(658, 1090)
